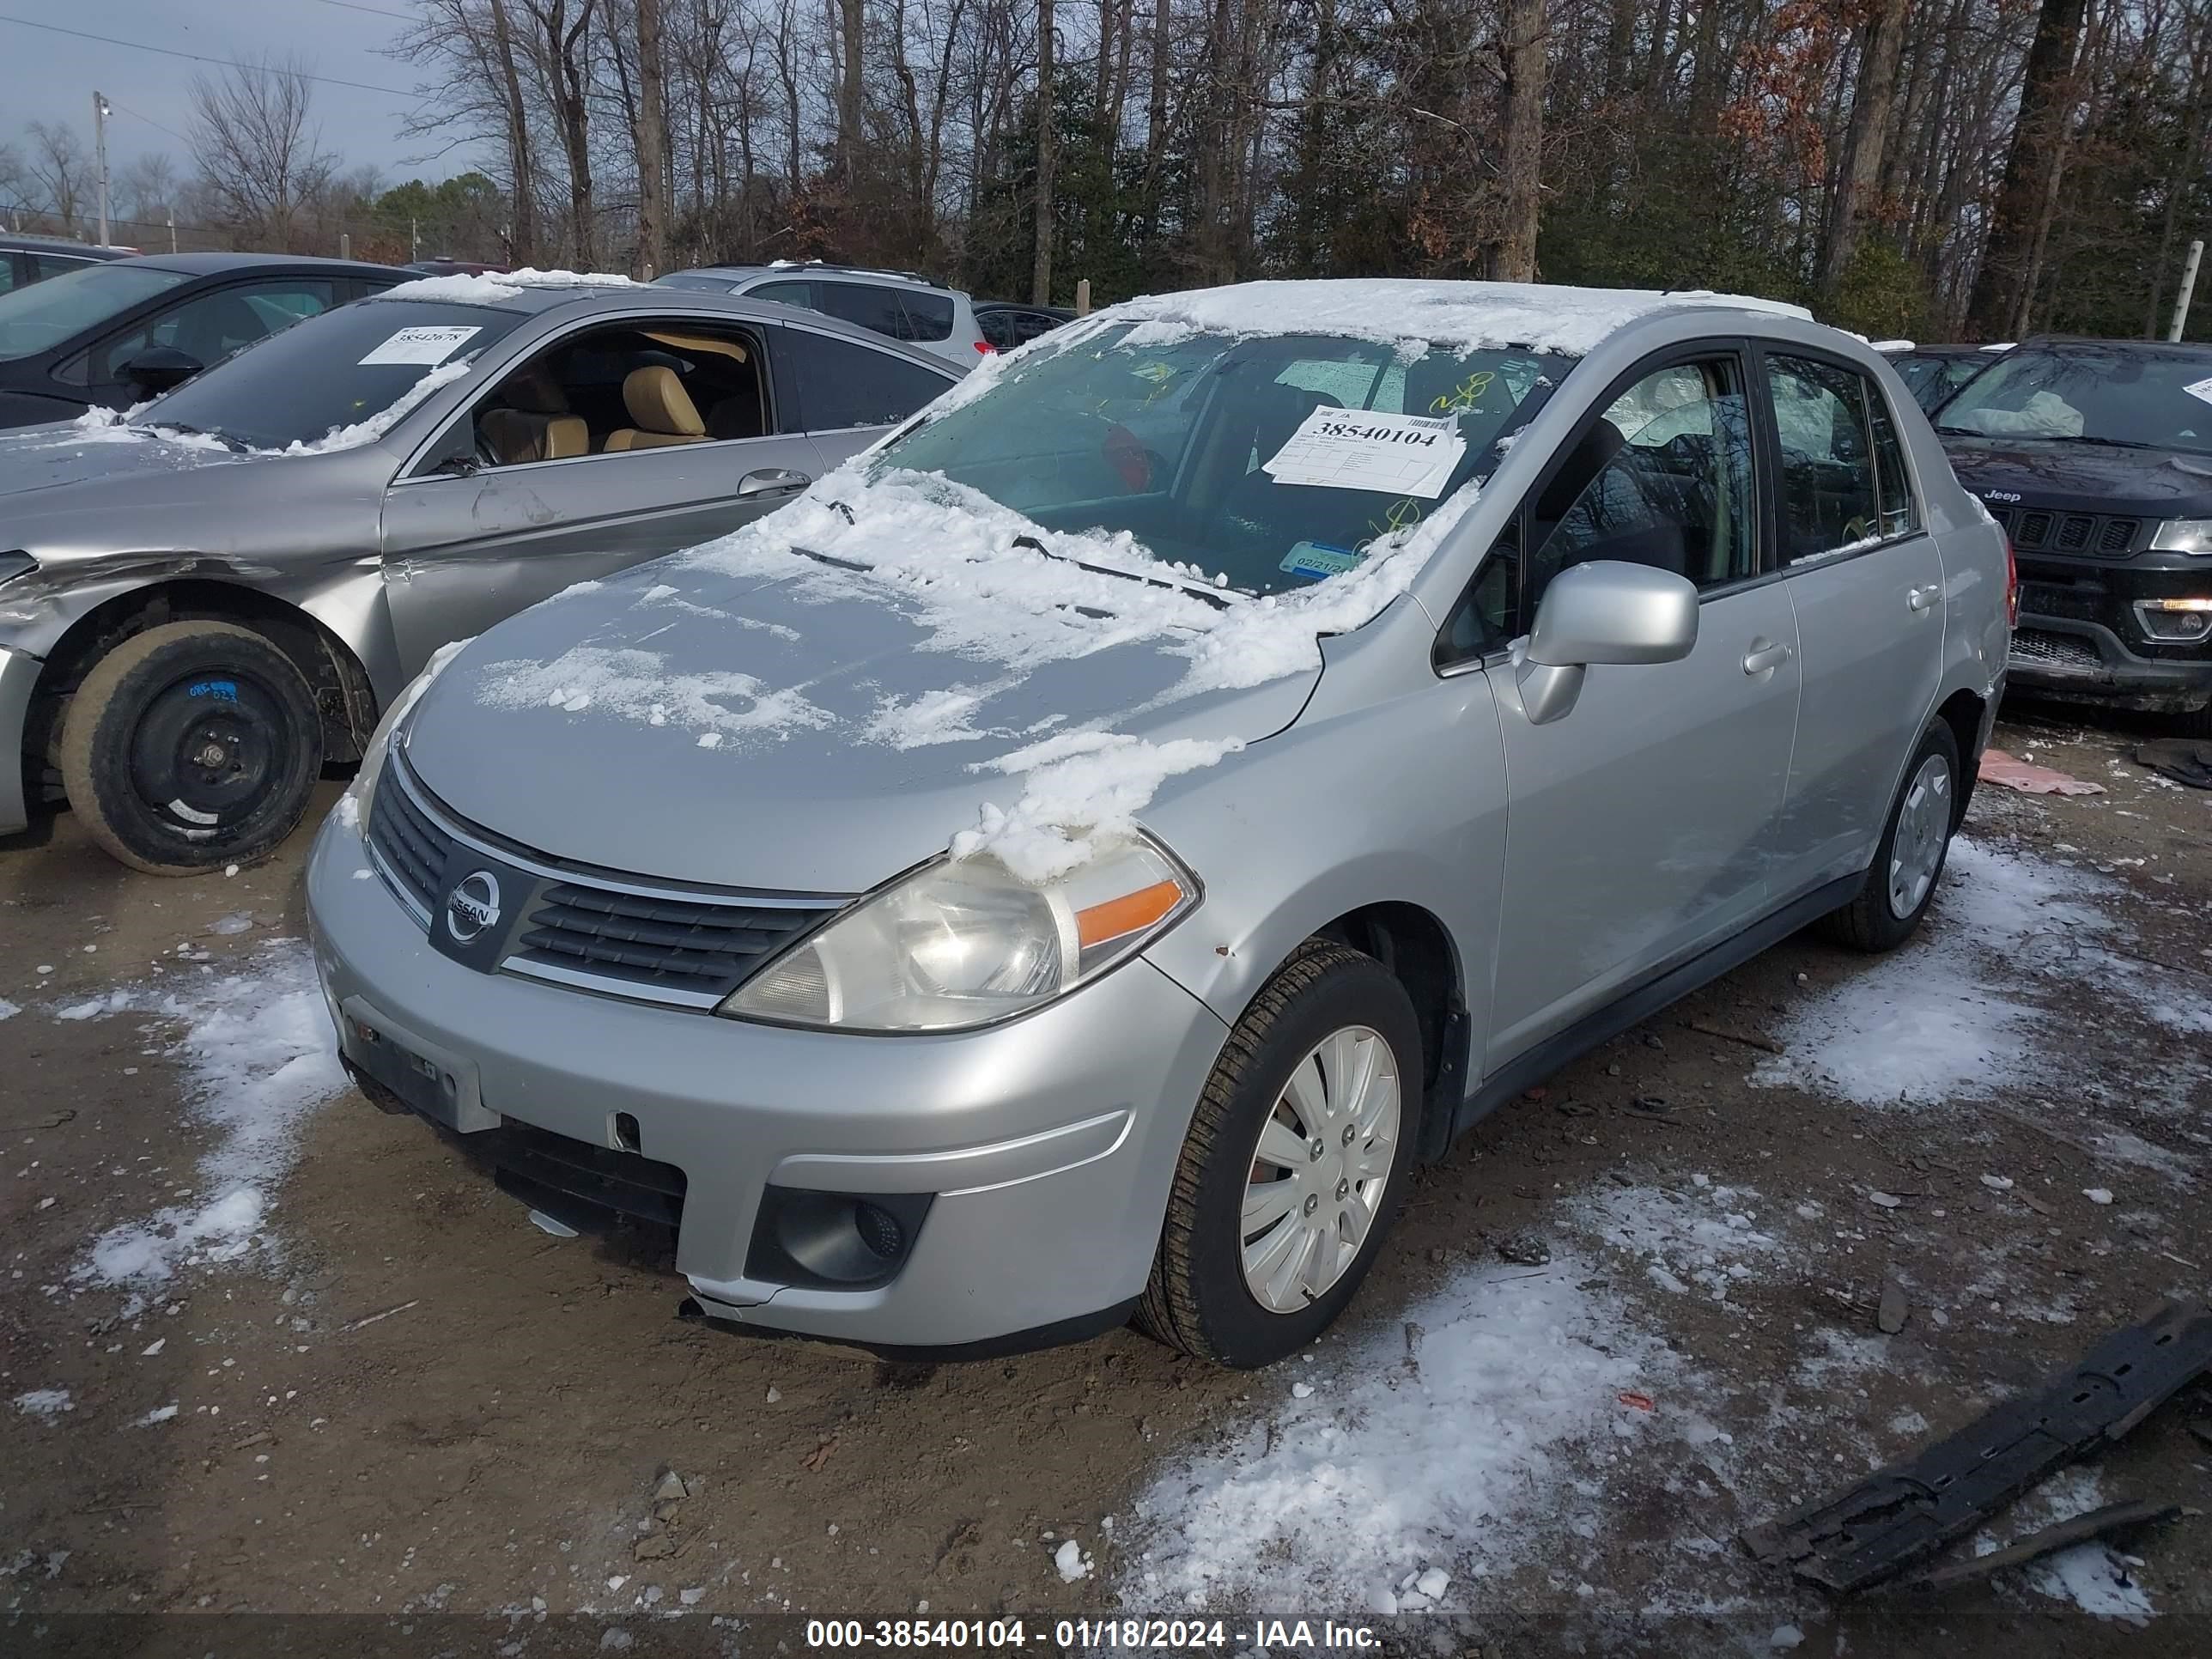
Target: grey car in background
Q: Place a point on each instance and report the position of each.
(895, 304)
(203, 603)
(1075, 860)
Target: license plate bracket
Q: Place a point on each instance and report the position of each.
(428, 1079)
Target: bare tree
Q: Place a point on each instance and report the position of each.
(651, 143)
(1513, 255)
(147, 187)
(522, 183)
(1041, 276)
(58, 170)
(256, 149)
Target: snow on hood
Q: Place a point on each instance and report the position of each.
(902, 644)
(490, 289)
(1415, 315)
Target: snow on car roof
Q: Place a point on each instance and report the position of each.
(490, 289)
(1466, 316)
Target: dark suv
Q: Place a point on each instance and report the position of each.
(2096, 456)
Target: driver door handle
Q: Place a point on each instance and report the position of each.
(1764, 654)
(771, 481)
(1920, 598)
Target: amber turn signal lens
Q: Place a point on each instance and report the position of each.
(1126, 915)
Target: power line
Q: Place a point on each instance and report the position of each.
(374, 11)
(125, 109)
(224, 63)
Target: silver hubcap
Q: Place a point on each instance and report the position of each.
(1923, 826)
(1318, 1173)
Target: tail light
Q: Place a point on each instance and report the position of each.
(2012, 586)
(985, 349)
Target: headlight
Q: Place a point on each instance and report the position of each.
(961, 942)
(353, 805)
(2183, 535)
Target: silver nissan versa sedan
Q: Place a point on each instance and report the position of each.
(1074, 861)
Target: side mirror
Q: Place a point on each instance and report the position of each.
(161, 368)
(1603, 613)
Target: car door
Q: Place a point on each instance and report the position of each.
(849, 393)
(1867, 583)
(466, 543)
(1641, 825)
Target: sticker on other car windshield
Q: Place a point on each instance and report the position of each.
(1319, 559)
(1370, 449)
(428, 346)
(2200, 390)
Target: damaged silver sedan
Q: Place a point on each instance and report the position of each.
(203, 603)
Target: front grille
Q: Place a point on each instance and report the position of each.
(412, 847)
(685, 947)
(700, 949)
(2037, 649)
(2083, 535)
(587, 1186)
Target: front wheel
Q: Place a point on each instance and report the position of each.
(1295, 1166)
(1909, 861)
(191, 744)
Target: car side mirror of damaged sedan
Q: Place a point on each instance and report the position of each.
(161, 368)
(1601, 612)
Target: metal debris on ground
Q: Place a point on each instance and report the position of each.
(1897, 1516)
(2096, 1523)
(1999, 767)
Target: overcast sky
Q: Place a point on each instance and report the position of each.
(48, 76)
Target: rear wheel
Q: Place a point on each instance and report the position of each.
(191, 744)
(1909, 861)
(1295, 1166)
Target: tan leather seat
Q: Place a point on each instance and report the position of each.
(663, 410)
(535, 425)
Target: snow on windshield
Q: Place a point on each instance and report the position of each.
(489, 289)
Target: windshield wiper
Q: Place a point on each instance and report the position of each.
(1214, 597)
(224, 438)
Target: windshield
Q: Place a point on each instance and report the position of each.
(45, 315)
(1930, 378)
(1272, 462)
(2145, 400)
(329, 372)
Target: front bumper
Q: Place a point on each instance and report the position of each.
(2071, 657)
(1046, 1146)
(18, 673)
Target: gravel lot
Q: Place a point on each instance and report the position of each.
(265, 1349)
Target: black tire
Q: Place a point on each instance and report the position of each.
(1870, 922)
(191, 744)
(1197, 1299)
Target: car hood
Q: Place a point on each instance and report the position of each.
(2075, 477)
(71, 453)
(797, 728)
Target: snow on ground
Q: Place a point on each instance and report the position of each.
(259, 1054)
(8, 1010)
(1956, 1010)
(1462, 1442)
(44, 1402)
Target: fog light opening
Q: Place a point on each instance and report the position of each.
(840, 1241)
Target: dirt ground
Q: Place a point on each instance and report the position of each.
(406, 1405)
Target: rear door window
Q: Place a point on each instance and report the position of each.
(1830, 497)
(929, 316)
(800, 294)
(877, 309)
(209, 327)
(842, 383)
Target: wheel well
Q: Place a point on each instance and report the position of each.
(1962, 712)
(344, 696)
(1414, 946)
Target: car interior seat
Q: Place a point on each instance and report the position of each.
(534, 423)
(739, 415)
(662, 409)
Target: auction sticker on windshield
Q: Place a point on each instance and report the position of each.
(1370, 449)
(428, 346)
(2200, 390)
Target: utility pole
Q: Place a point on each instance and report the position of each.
(100, 114)
(172, 230)
(2188, 288)
(414, 239)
